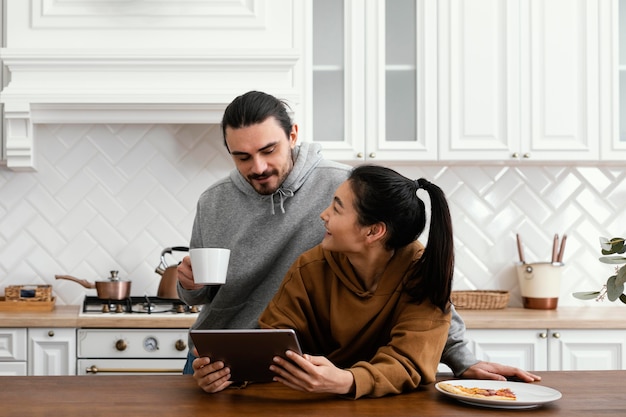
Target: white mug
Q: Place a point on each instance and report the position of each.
(209, 265)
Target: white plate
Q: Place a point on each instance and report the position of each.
(529, 395)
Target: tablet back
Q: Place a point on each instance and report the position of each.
(248, 353)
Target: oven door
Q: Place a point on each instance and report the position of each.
(130, 366)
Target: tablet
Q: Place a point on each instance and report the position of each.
(248, 353)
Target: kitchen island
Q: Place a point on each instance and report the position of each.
(584, 393)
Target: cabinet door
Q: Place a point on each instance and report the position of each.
(12, 344)
(519, 79)
(13, 368)
(525, 349)
(52, 351)
(614, 79)
(373, 79)
(582, 350)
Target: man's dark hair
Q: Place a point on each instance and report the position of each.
(255, 107)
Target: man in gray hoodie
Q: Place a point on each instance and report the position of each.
(267, 213)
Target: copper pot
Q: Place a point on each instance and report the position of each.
(113, 289)
(169, 274)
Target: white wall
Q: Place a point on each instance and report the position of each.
(113, 196)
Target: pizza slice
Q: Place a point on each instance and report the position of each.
(493, 394)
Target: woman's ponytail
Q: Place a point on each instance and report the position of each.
(436, 266)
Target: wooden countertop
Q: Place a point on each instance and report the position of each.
(587, 317)
(584, 393)
(69, 316)
(509, 318)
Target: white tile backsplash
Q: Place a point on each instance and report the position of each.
(113, 196)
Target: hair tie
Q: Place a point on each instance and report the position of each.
(417, 186)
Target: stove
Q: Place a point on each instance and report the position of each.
(136, 350)
(136, 305)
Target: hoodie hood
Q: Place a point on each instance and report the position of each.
(306, 157)
(392, 278)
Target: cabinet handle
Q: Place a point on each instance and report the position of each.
(556, 335)
(372, 155)
(359, 155)
(543, 335)
(515, 155)
(51, 333)
(526, 155)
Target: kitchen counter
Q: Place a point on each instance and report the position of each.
(584, 393)
(508, 318)
(611, 317)
(69, 316)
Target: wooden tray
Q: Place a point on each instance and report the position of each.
(18, 306)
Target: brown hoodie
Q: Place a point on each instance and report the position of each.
(389, 343)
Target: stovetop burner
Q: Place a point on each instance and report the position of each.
(136, 305)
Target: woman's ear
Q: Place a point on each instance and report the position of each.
(377, 231)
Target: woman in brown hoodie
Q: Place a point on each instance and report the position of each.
(370, 303)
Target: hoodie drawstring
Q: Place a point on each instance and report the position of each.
(284, 194)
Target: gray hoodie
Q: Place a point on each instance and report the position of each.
(266, 234)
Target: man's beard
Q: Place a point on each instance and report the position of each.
(265, 189)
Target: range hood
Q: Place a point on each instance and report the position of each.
(149, 61)
(130, 86)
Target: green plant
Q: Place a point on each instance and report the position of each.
(614, 287)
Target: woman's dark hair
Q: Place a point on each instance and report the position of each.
(384, 195)
(255, 107)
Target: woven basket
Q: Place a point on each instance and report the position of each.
(479, 299)
(28, 293)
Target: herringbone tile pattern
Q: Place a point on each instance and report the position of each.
(113, 196)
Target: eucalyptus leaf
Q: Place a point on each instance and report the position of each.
(617, 245)
(613, 289)
(612, 259)
(621, 276)
(586, 295)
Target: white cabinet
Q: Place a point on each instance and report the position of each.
(521, 79)
(550, 349)
(615, 147)
(372, 84)
(13, 352)
(51, 351)
(501, 80)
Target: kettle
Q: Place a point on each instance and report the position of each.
(169, 274)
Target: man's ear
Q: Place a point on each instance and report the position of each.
(293, 136)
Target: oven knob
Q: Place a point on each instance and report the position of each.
(180, 345)
(150, 344)
(121, 345)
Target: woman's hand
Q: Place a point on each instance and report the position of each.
(211, 377)
(311, 374)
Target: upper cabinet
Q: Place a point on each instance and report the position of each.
(484, 80)
(616, 147)
(519, 79)
(372, 82)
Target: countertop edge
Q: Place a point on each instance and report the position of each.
(508, 318)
